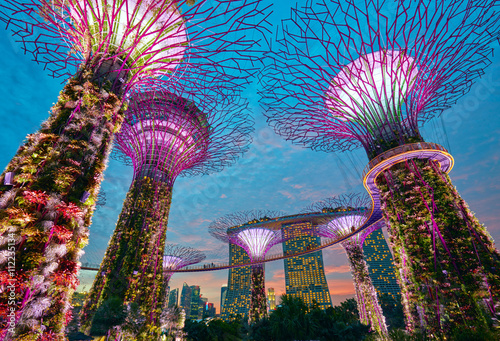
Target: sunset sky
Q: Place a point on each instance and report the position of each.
(274, 174)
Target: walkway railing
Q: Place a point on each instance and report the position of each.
(399, 150)
(375, 217)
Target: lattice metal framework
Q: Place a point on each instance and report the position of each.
(139, 39)
(237, 228)
(165, 134)
(176, 257)
(345, 74)
(108, 48)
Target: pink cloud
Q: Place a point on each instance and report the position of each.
(286, 194)
(337, 269)
(223, 196)
(341, 286)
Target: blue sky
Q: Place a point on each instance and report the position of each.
(274, 174)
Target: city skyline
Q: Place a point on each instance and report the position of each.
(272, 175)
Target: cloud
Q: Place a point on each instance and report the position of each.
(297, 186)
(223, 196)
(337, 269)
(287, 194)
(341, 286)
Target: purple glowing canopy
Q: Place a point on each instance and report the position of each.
(353, 211)
(349, 73)
(176, 257)
(247, 229)
(256, 241)
(372, 89)
(165, 134)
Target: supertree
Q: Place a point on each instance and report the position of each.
(353, 212)
(108, 47)
(176, 257)
(351, 73)
(248, 230)
(164, 135)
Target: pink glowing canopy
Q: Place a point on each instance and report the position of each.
(165, 134)
(171, 262)
(177, 257)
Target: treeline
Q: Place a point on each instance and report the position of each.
(292, 320)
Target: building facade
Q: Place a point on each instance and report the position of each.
(237, 300)
(186, 299)
(381, 265)
(305, 274)
(223, 292)
(195, 303)
(173, 298)
(271, 299)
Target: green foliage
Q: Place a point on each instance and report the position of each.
(111, 313)
(293, 320)
(52, 170)
(215, 330)
(393, 312)
(444, 254)
(132, 266)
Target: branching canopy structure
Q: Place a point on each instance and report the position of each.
(165, 135)
(365, 73)
(108, 48)
(352, 73)
(176, 257)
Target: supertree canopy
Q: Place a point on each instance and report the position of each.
(107, 48)
(364, 73)
(177, 257)
(353, 212)
(256, 240)
(163, 135)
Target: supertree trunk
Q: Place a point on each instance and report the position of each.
(409, 309)
(370, 312)
(258, 306)
(45, 212)
(132, 268)
(451, 264)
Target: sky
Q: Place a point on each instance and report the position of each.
(273, 174)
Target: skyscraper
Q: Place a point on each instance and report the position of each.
(271, 299)
(209, 310)
(173, 298)
(223, 292)
(186, 299)
(304, 274)
(195, 302)
(238, 293)
(381, 265)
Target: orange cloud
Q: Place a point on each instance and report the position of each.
(341, 286)
(337, 269)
